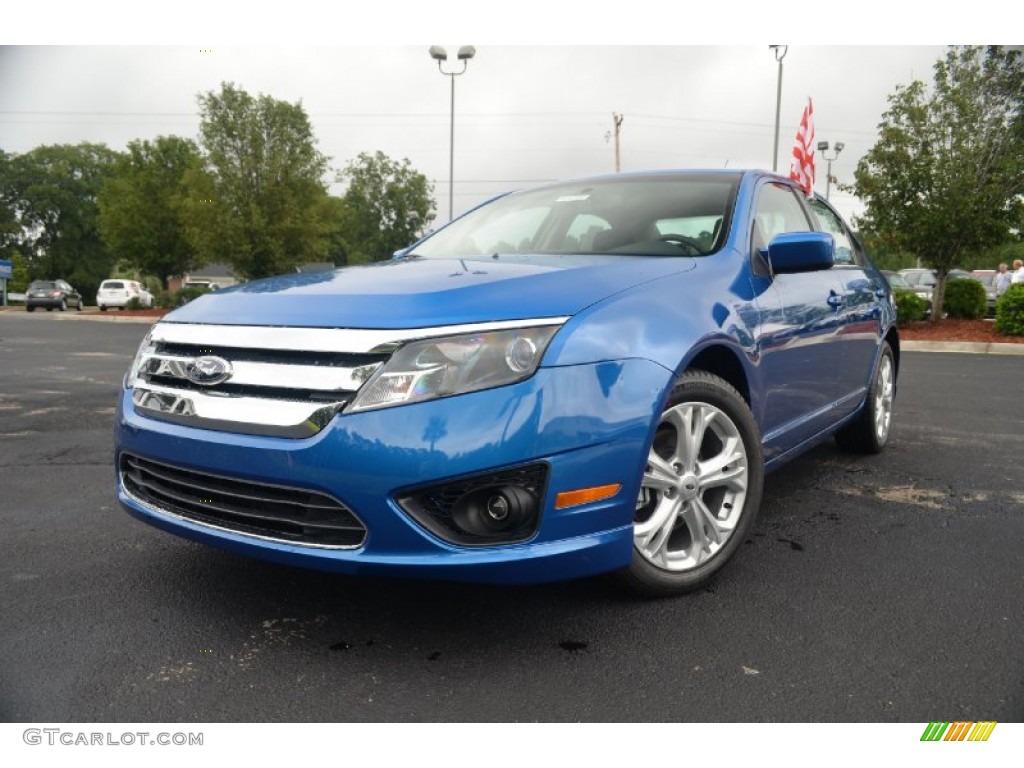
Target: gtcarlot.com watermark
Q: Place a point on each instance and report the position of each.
(57, 736)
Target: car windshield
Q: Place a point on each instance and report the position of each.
(657, 215)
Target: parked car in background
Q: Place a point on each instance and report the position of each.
(117, 293)
(207, 285)
(585, 377)
(988, 280)
(899, 283)
(922, 281)
(52, 294)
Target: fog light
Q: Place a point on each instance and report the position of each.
(487, 512)
(499, 507)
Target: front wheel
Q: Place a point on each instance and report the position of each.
(63, 305)
(870, 432)
(701, 488)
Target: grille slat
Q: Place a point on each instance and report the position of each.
(277, 512)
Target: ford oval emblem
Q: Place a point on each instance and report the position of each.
(208, 371)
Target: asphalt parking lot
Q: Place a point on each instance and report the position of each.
(879, 589)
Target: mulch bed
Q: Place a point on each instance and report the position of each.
(956, 330)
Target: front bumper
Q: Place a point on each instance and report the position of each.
(589, 424)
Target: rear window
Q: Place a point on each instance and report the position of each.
(113, 285)
(42, 285)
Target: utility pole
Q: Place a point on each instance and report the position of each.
(618, 130)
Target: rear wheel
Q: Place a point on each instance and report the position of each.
(870, 432)
(701, 488)
(102, 308)
(30, 308)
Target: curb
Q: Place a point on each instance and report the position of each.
(963, 347)
(97, 318)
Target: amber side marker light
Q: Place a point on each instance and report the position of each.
(585, 495)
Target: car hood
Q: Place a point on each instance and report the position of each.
(419, 293)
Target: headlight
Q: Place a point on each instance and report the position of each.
(454, 365)
(145, 348)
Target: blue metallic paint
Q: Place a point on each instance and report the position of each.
(589, 411)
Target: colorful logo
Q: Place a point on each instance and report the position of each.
(959, 731)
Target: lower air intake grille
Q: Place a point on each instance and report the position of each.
(286, 514)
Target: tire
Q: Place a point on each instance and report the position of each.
(870, 432)
(102, 308)
(30, 309)
(694, 511)
(63, 305)
(81, 305)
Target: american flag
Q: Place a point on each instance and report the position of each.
(801, 167)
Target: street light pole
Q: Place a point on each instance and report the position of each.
(440, 55)
(823, 148)
(780, 53)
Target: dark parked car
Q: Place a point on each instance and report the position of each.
(52, 294)
(899, 283)
(586, 377)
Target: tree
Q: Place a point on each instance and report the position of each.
(388, 205)
(258, 202)
(10, 227)
(52, 191)
(946, 176)
(140, 205)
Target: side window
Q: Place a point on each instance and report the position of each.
(829, 222)
(778, 211)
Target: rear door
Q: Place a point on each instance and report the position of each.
(863, 291)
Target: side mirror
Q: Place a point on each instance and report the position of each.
(801, 252)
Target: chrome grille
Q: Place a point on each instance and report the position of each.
(264, 386)
(273, 512)
(266, 380)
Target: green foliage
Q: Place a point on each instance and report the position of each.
(10, 229)
(943, 180)
(53, 190)
(258, 201)
(965, 299)
(909, 306)
(19, 280)
(139, 206)
(388, 206)
(1010, 311)
(133, 303)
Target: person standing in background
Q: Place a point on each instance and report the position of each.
(1018, 271)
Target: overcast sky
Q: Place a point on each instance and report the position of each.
(523, 113)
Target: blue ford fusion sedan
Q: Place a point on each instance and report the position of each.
(587, 377)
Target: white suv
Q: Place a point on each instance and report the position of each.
(117, 293)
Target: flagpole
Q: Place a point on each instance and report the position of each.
(780, 53)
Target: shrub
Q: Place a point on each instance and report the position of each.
(185, 295)
(1010, 311)
(909, 306)
(133, 303)
(965, 298)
